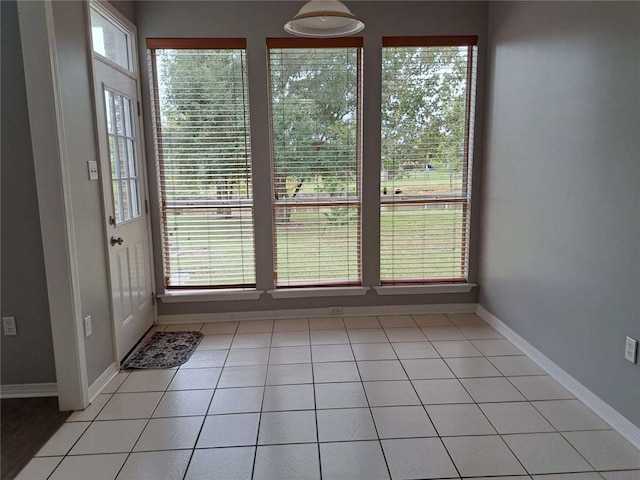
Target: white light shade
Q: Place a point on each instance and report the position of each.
(324, 18)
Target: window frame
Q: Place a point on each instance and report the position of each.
(381, 285)
(105, 10)
(471, 42)
(153, 44)
(319, 43)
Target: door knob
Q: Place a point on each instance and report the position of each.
(116, 241)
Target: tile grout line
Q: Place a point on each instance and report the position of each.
(151, 415)
(576, 450)
(54, 468)
(384, 456)
(501, 436)
(315, 401)
(530, 402)
(527, 401)
(95, 421)
(195, 443)
(342, 441)
(117, 391)
(264, 393)
(85, 430)
(128, 454)
(478, 407)
(424, 406)
(68, 450)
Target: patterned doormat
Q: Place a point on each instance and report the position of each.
(165, 350)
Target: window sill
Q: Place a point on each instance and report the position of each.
(318, 292)
(210, 295)
(184, 296)
(422, 289)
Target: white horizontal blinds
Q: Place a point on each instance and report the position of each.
(204, 160)
(428, 87)
(315, 97)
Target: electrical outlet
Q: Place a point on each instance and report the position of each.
(335, 310)
(93, 169)
(631, 349)
(87, 326)
(9, 326)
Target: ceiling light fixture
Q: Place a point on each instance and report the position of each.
(324, 18)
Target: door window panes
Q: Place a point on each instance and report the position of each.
(110, 41)
(122, 155)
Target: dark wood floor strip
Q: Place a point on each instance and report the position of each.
(27, 424)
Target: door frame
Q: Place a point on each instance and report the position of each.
(52, 171)
(109, 12)
(52, 167)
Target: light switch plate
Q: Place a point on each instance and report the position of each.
(87, 326)
(9, 326)
(631, 349)
(93, 169)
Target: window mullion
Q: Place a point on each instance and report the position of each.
(371, 161)
(261, 166)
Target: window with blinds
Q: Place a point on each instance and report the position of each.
(201, 129)
(428, 88)
(315, 127)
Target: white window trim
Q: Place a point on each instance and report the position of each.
(184, 296)
(108, 11)
(424, 289)
(463, 199)
(181, 296)
(264, 264)
(213, 291)
(318, 292)
(349, 200)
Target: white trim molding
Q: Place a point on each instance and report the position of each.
(316, 312)
(187, 296)
(180, 296)
(28, 390)
(102, 381)
(617, 421)
(424, 289)
(53, 182)
(318, 292)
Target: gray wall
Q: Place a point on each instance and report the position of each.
(256, 21)
(126, 8)
(78, 118)
(27, 357)
(560, 258)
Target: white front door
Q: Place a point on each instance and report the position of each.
(124, 205)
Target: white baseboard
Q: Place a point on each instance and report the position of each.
(618, 422)
(316, 312)
(27, 390)
(105, 377)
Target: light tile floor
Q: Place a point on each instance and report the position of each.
(397, 396)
